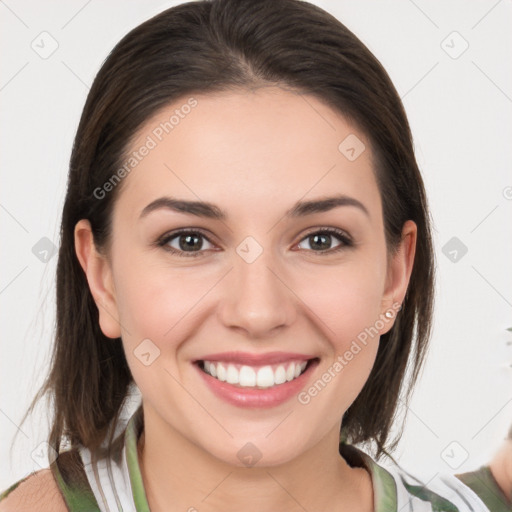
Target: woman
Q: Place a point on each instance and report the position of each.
(246, 239)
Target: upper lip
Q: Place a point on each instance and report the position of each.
(255, 359)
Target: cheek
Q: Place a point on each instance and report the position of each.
(350, 348)
(163, 304)
(150, 306)
(156, 309)
(154, 301)
(347, 299)
(347, 306)
(159, 303)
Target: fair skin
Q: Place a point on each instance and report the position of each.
(254, 155)
(139, 289)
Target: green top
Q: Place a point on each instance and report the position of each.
(484, 484)
(394, 489)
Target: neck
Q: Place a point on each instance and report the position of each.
(179, 475)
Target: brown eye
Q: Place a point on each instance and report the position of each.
(320, 241)
(184, 242)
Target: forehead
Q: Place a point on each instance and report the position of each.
(249, 150)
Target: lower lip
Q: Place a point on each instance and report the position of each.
(257, 398)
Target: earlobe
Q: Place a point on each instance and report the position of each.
(399, 273)
(99, 277)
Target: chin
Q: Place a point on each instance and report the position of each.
(256, 454)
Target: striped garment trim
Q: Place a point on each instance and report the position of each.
(394, 489)
(90, 486)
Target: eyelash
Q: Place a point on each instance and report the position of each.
(165, 239)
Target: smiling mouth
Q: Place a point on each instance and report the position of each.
(255, 377)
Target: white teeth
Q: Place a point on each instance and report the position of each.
(280, 375)
(265, 377)
(247, 376)
(221, 371)
(232, 375)
(290, 373)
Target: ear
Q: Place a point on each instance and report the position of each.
(398, 274)
(99, 276)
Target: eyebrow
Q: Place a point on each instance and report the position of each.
(211, 211)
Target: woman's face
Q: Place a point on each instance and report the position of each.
(261, 281)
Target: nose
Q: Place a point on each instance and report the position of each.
(257, 297)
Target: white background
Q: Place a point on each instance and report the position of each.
(460, 113)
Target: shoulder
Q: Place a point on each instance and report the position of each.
(443, 492)
(394, 488)
(485, 484)
(38, 491)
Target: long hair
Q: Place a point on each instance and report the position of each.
(221, 45)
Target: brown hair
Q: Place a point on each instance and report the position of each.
(220, 45)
